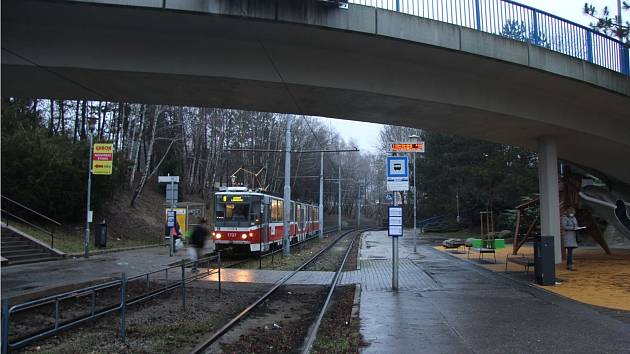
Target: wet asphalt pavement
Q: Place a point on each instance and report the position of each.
(454, 306)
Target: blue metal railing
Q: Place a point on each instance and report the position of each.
(520, 22)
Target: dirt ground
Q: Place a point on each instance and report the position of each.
(279, 325)
(339, 331)
(600, 279)
(160, 325)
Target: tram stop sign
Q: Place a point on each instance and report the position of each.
(395, 221)
(397, 173)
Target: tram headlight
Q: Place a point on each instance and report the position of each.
(251, 234)
(217, 235)
(244, 236)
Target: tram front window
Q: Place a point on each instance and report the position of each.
(232, 214)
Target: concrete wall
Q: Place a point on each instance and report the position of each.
(364, 64)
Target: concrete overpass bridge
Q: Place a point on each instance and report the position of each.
(563, 96)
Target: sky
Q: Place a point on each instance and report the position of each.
(366, 134)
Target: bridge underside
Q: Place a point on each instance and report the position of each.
(65, 50)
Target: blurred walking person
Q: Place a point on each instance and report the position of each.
(197, 241)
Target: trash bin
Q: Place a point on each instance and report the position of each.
(544, 260)
(100, 235)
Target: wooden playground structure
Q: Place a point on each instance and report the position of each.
(527, 230)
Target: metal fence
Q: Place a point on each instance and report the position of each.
(520, 22)
(93, 310)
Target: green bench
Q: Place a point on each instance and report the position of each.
(483, 246)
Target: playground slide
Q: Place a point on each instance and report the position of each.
(609, 207)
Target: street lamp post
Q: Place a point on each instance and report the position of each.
(86, 241)
(414, 139)
(287, 217)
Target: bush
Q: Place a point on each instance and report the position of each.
(444, 226)
(46, 173)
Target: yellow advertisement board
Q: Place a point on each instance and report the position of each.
(102, 158)
(180, 216)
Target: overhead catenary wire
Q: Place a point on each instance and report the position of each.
(59, 75)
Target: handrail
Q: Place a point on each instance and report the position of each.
(520, 22)
(50, 232)
(27, 222)
(32, 211)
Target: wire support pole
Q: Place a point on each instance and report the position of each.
(339, 195)
(321, 196)
(286, 248)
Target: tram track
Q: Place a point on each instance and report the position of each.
(229, 263)
(312, 330)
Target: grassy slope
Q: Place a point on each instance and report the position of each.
(127, 226)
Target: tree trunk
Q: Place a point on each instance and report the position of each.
(136, 153)
(83, 120)
(147, 166)
(62, 118)
(75, 133)
(51, 123)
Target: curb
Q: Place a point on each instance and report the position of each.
(356, 303)
(113, 250)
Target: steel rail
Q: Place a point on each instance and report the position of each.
(200, 348)
(312, 333)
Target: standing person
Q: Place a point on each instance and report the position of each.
(197, 241)
(176, 234)
(570, 226)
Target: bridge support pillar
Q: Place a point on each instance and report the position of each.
(549, 194)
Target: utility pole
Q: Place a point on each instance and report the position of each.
(339, 206)
(287, 191)
(321, 196)
(359, 207)
(414, 139)
(88, 218)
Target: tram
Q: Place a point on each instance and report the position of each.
(250, 221)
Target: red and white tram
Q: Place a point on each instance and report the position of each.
(247, 221)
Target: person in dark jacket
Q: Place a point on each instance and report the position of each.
(570, 227)
(197, 241)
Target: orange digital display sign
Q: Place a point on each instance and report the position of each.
(407, 147)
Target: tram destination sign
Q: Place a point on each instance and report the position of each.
(235, 199)
(407, 147)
